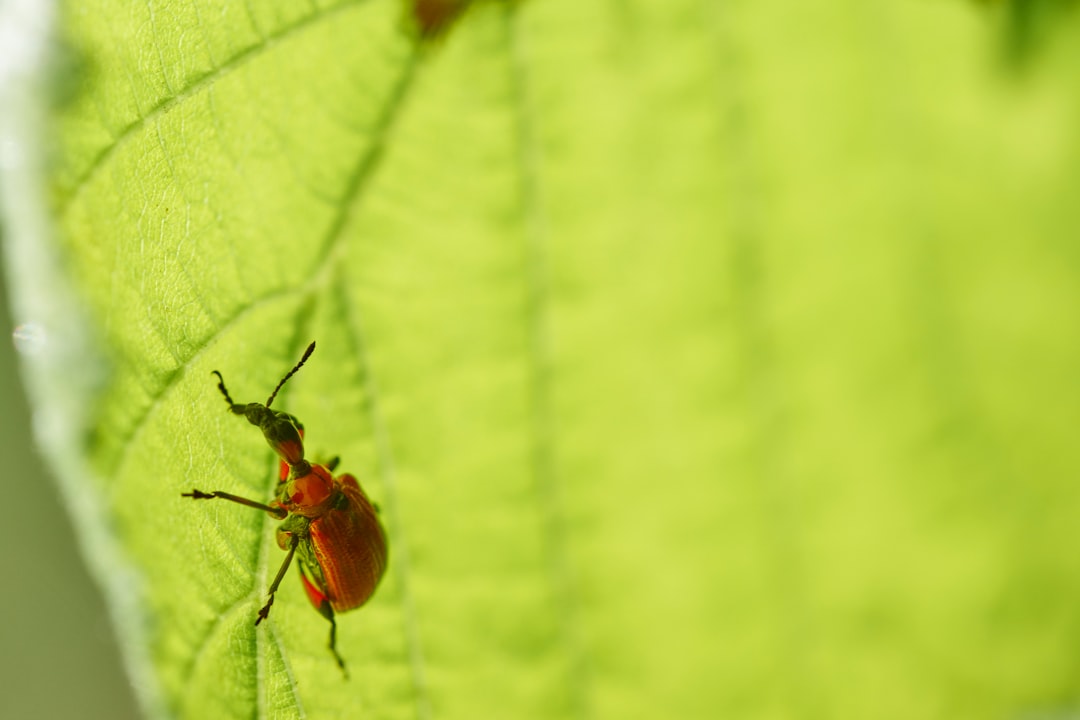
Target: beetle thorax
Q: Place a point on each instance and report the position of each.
(308, 491)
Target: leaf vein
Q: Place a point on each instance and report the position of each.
(365, 168)
(293, 687)
(764, 392)
(189, 671)
(538, 323)
(196, 85)
(400, 565)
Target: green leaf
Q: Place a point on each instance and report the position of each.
(705, 359)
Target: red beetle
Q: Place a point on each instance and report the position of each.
(329, 523)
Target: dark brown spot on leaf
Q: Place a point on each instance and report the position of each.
(432, 18)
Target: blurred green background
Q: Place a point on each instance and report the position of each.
(814, 284)
(57, 651)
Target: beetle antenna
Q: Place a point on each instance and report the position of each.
(221, 387)
(307, 354)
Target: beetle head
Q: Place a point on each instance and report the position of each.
(278, 428)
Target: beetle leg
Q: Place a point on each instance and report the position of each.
(264, 612)
(328, 613)
(278, 512)
(332, 463)
(315, 587)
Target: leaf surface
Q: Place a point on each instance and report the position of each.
(705, 359)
